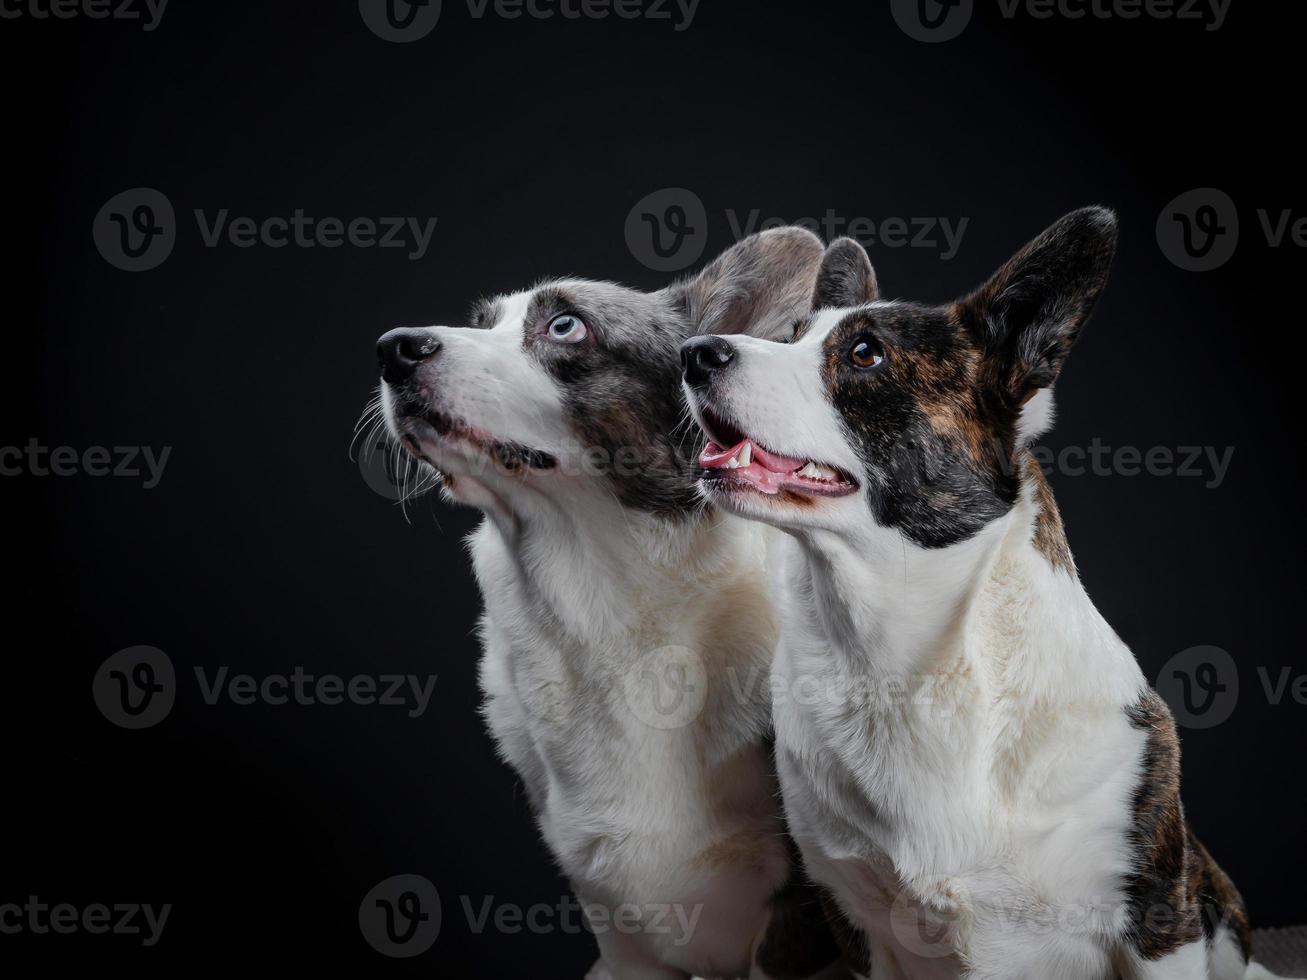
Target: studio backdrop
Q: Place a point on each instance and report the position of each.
(216, 209)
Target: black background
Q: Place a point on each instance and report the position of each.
(263, 548)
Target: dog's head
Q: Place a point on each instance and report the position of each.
(908, 416)
(571, 391)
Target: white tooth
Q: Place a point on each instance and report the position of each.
(825, 473)
(810, 470)
(745, 455)
(734, 464)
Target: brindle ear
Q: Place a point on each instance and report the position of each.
(760, 286)
(846, 277)
(1029, 315)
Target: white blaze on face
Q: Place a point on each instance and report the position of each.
(777, 394)
(486, 379)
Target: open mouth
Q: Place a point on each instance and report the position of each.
(740, 462)
(512, 456)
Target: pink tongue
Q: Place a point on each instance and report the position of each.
(777, 464)
(714, 457)
(766, 472)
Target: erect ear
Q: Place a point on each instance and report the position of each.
(1029, 315)
(759, 286)
(846, 277)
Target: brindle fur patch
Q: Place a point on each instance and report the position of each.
(1221, 902)
(934, 449)
(935, 422)
(1050, 535)
(1177, 894)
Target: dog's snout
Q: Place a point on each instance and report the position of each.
(702, 357)
(400, 352)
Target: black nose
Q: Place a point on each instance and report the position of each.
(401, 351)
(701, 357)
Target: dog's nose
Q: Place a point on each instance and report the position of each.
(401, 351)
(702, 357)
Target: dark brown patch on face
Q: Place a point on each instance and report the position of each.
(621, 389)
(1220, 900)
(1050, 535)
(1163, 891)
(936, 441)
(935, 420)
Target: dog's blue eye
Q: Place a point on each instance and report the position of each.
(866, 353)
(567, 329)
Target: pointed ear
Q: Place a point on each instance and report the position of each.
(760, 286)
(846, 277)
(1029, 315)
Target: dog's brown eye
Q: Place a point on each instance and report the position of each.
(866, 353)
(567, 329)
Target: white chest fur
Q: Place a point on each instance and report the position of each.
(645, 802)
(957, 767)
